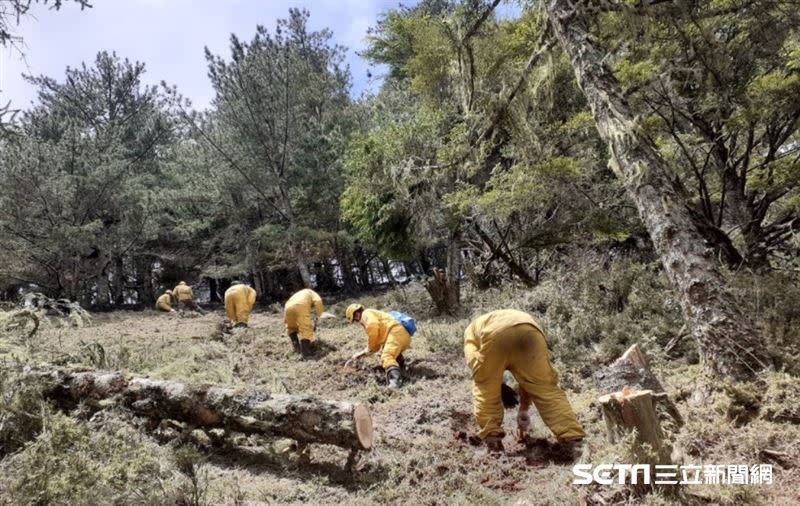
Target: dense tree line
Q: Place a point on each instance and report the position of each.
(495, 146)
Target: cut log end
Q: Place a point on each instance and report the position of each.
(626, 395)
(363, 422)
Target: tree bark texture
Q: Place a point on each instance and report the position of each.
(439, 290)
(303, 418)
(302, 267)
(453, 272)
(632, 370)
(728, 342)
(118, 282)
(145, 291)
(632, 411)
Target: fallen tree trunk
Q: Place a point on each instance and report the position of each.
(302, 418)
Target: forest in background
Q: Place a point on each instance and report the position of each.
(496, 150)
(479, 154)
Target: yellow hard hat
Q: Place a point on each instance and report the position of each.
(169, 292)
(182, 283)
(351, 310)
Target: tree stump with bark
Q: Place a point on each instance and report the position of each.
(634, 412)
(439, 291)
(303, 418)
(631, 410)
(632, 370)
(632, 394)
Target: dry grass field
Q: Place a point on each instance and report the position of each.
(425, 450)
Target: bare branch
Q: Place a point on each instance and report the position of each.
(482, 19)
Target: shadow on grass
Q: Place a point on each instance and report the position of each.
(540, 452)
(323, 350)
(415, 371)
(258, 461)
(537, 452)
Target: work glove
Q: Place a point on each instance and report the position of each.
(509, 396)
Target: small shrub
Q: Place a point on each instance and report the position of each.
(73, 462)
(21, 411)
(782, 399)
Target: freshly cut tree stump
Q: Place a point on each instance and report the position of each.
(302, 418)
(632, 371)
(630, 410)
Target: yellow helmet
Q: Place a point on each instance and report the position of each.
(351, 310)
(168, 292)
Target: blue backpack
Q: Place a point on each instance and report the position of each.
(408, 323)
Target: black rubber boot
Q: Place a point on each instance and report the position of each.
(576, 449)
(306, 348)
(494, 444)
(295, 342)
(401, 361)
(394, 377)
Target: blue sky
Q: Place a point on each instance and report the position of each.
(169, 36)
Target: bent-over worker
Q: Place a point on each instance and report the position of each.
(164, 302)
(185, 296)
(297, 317)
(512, 340)
(239, 302)
(383, 330)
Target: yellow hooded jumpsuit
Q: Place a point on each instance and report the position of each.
(512, 340)
(383, 330)
(239, 301)
(183, 292)
(297, 313)
(164, 303)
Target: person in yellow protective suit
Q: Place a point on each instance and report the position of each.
(164, 303)
(185, 296)
(239, 301)
(297, 316)
(512, 340)
(383, 330)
